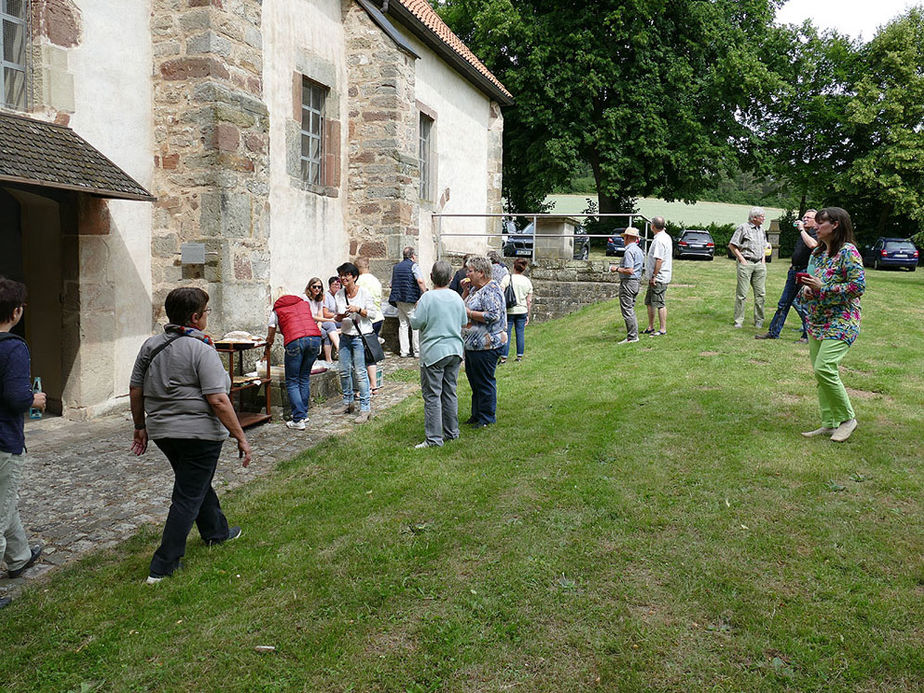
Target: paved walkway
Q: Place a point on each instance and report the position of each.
(84, 490)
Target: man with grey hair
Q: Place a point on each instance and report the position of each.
(749, 244)
(659, 268)
(440, 316)
(407, 285)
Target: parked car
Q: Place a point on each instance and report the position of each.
(891, 252)
(520, 243)
(694, 243)
(615, 245)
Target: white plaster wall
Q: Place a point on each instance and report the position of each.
(113, 112)
(307, 230)
(461, 145)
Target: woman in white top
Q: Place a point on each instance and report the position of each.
(518, 316)
(356, 311)
(370, 283)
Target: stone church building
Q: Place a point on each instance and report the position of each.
(287, 136)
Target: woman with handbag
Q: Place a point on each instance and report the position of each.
(518, 313)
(356, 310)
(484, 336)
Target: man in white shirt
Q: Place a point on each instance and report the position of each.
(658, 268)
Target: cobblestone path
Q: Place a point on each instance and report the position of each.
(84, 490)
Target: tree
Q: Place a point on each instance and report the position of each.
(887, 115)
(650, 93)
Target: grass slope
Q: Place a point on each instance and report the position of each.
(692, 216)
(642, 517)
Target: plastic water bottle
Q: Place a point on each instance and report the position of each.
(36, 387)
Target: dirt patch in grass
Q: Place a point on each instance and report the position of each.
(787, 398)
(865, 394)
(709, 353)
(395, 641)
(759, 362)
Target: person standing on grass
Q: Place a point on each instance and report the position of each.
(483, 337)
(749, 246)
(356, 311)
(179, 399)
(659, 264)
(16, 398)
(440, 316)
(805, 244)
(407, 286)
(630, 275)
(831, 293)
(518, 315)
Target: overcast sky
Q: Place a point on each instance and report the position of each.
(857, 18)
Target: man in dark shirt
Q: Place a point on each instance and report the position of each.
(16, 397)
(806, 242)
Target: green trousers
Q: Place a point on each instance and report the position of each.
(754, 275)
(14, 547)
(826, 355)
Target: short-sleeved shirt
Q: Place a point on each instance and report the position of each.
(661, 249)
(633, 259)
(522, 287)
(370, 283)
(274, 319)
(751, 241)
(363, 299)
(175, 385)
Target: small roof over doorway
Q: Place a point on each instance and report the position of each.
(33, 152)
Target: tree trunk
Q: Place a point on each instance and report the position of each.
(884, 215)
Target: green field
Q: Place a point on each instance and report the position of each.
(691, 216)
(641, 517)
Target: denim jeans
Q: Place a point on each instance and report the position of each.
(193, 500)
(517, 321)
(787, 300)
(353, 375)
(301, 354)
(479, 369)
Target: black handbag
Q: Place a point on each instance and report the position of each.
(371, 348)
(510, 296)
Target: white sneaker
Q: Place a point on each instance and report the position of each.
(152, 580)
(844, 430)
(628, 341)
(421, 446)
(297, 425)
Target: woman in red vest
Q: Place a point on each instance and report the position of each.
(302, 338)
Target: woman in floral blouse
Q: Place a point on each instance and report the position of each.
(831, 296)
(483, 338)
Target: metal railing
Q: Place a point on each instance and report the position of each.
(440, 234)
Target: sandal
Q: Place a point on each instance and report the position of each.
(650, 330)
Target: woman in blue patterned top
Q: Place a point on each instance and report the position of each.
(831, 295)
(483, 338)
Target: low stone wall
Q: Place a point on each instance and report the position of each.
(561, 287)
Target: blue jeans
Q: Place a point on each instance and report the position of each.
(353, 374)
(301, 354)
(517, 321)
(789, 298)
(479, 369)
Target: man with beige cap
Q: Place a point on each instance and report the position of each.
(630, 275)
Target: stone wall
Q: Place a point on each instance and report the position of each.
(384, 174)
(211, 131)
(564, 286)
(495, 167)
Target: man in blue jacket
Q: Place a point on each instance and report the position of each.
(16, 397)
(407, 285)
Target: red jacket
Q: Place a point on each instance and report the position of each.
(295, 319)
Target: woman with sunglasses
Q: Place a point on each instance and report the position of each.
(832, 287)
(330, 328)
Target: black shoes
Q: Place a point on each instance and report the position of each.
(233, 534)
(5, 601)
(36, 552)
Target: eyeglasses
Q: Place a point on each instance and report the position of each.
(206, 311)
(315, 286)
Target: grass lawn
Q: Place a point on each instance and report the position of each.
(691, 216)
(641, 517)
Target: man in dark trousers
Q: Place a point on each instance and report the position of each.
(16, 397)
(805, 243)
(407, 285)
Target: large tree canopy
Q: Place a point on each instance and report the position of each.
(653, 94)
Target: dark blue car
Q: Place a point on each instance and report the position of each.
(891, 252)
